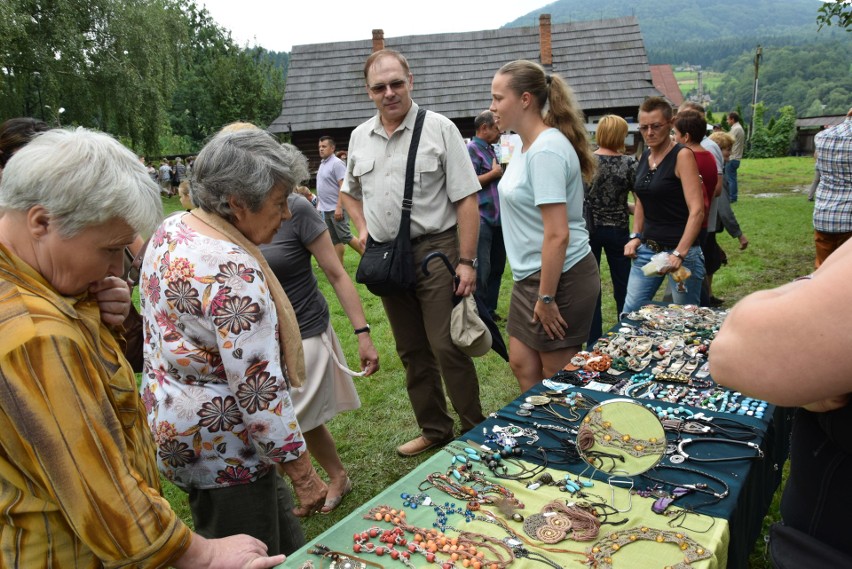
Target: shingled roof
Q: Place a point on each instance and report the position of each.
(603, 60)
(665, 81)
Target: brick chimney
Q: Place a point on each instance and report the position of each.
(378, 40)
(544, 39)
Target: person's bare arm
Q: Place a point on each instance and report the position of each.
(355, 209)
(323, 251)
(790, 345)
(338, 209)
(233, 552)
(467, 211)
(556, 235)
(495, 173)
(638, 227)
(717, 191)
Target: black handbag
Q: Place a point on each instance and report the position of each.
(387, 269)
(790, 548)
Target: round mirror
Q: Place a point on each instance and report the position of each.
(620, 436)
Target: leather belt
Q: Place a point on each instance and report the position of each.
(657, 247)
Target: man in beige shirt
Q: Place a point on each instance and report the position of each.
(733, 164)
(444, 217)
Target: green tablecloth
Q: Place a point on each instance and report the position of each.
(639, 555)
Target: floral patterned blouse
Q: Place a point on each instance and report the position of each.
(608, 193)
(213, 385)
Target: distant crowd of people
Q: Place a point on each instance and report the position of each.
(240, 366)
(169, 174)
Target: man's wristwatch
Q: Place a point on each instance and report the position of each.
(677, 254)
(545, 298)
(469, 262)
(635, 236)
(362, 330)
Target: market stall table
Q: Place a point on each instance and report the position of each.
(704, 503)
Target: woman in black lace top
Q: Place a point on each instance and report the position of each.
(607, 210)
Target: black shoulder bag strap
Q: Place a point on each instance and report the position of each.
(405, 221)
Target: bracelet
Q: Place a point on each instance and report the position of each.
(362, 330)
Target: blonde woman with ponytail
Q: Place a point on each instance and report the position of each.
(547, 244)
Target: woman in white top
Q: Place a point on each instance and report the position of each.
(547, 244)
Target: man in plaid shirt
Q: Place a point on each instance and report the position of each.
(491, 253)
(833, 206)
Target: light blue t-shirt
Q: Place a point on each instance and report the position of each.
(547, 173)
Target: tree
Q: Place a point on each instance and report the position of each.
(791, 75)
(221, 83)
(773, 140)
(836, 10)
(109, 64)
(158, 74)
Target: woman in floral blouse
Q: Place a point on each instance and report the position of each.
(216, 378)
(606, 204)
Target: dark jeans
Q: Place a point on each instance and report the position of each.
(731, 175)
(491, 255)
(612, 241)
(262, 509)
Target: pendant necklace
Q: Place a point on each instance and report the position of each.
(653, 161)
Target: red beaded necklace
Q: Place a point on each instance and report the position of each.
(468, 549)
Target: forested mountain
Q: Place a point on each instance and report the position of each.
(802, 67)
(676, 23)
(816, 79)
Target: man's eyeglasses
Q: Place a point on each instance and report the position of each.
(655, 127)
(132, 266)
(380, 88)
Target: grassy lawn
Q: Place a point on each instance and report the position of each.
(773, 212)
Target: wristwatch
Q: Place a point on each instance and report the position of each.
(677, 254)
(362, 330)
(635, 236)
(545, 298)
(469, 262)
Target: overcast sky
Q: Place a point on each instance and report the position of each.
(279, 25)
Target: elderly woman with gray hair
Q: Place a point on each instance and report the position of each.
(222, 347)
(78, 480)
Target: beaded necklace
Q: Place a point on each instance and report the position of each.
(600, 555)
(596, 430)
(479, 551)
(515, 539)
(477, 488)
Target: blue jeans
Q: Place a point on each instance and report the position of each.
(610, 240)
(491, 261)
(641, 289)
(731, 176)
